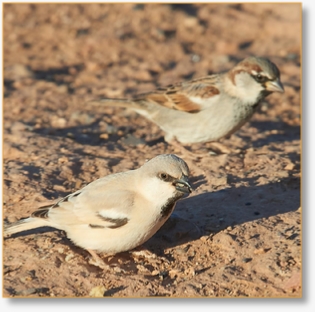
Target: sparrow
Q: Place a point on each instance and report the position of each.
(118, 212)
(209, 108)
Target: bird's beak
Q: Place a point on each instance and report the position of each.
(274, 86)
(182, 185)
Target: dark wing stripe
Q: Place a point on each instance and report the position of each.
(116, 222)
(41, 212)
(96, 226)
(66, 199)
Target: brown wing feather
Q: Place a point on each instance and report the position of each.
(179, 96)
(176, 101)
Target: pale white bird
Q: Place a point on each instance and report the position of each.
(118, 212)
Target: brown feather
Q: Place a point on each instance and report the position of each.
(178, 96)
(244, 66)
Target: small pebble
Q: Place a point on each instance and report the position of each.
(289, 166)
(204, 238)
(63, 159)
(190, 271)
(97, 291)
(104, 136)
(195, 58)
(259, 251)
(132, 140)
(173, 273)
(246, 260)
(69, 257)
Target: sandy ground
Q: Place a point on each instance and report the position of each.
(238, 234)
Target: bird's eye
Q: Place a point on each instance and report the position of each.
(260, 78)
(164, 176)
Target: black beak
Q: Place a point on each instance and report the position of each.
(182, 185)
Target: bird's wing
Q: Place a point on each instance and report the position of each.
(102, 203)
(187, 96)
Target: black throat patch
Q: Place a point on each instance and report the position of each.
(169, 205)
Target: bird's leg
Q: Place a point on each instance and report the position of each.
(183, 150)
(189, 157)
(214, 148)
(98, 262)
(219, 148)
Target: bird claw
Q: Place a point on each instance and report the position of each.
(98, 262)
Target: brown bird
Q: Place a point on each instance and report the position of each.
(209, 108)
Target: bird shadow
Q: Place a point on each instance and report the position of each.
(213, 212)
(285, 133)
(118, 137)
(89, 134)
(59, 76)
(33, 173)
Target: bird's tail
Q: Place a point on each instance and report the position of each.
(117, 102)
(23, 225)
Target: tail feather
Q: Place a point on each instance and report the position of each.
(24, 225)
(116, 102)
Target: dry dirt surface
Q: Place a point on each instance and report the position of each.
(238, 234)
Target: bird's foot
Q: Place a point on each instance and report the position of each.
(98, 262)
